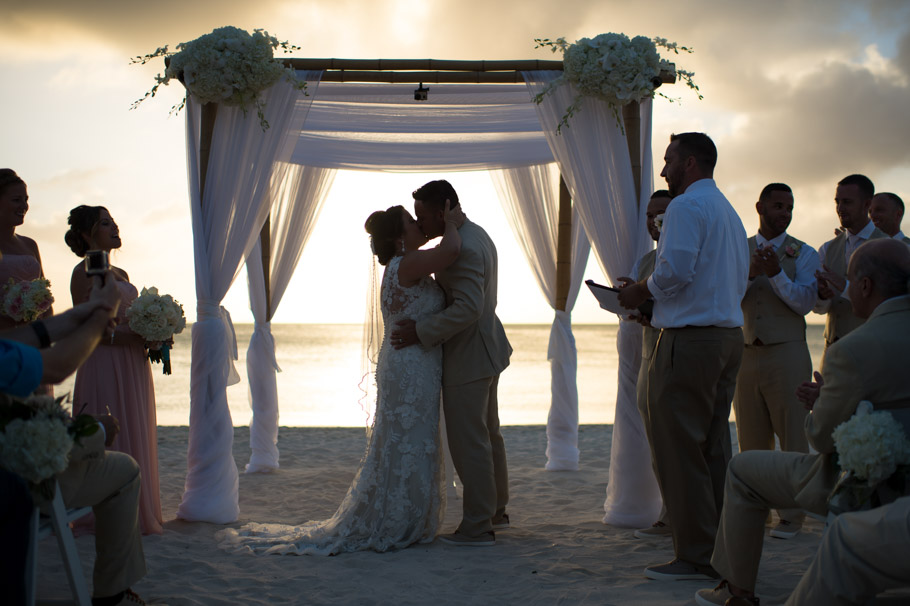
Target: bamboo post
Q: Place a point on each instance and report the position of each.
(631, 116)
(209, 112)
(563, 246)
(265, 245)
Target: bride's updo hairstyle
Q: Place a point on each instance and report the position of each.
(82, 222)
(384, 227)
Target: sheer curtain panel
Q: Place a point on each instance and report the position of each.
(593, 156)
(530, 198)
(298, 200)
(226, 219)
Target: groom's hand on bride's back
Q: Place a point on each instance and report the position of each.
(405, 335)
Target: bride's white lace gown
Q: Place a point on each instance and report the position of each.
(397, 497)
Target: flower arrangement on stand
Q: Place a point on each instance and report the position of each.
(36, 437)
(26, 300)
(229, 66)
(873, 453)
(157, 318)
(613, 68)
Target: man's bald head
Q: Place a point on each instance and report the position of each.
(879, 270)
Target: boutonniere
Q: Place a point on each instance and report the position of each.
(792, 250)
(659, 222)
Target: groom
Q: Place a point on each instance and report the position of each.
(475, 351)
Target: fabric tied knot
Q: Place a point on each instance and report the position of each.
(211, 310)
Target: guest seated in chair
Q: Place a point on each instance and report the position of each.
(869, 363)
(106, 481)
(861, 554)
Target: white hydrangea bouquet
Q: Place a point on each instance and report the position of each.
(873, 453)
(613, 68)
(156, 318)
(26, 300)
(36, 437)
(229, 66)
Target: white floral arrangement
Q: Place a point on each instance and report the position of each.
(613, 68)
(37, 435)
(871, 444)
(26, 300)
(37, 448)
(659, 222)
(155, 317)
(229, 66)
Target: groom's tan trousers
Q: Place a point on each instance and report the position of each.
(478, 451)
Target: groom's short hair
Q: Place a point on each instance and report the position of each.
(435, 193)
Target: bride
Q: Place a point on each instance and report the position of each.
(397, 497)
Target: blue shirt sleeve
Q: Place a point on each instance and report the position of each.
(21, 368)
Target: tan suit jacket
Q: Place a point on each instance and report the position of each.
(870, 364)
(474, 343)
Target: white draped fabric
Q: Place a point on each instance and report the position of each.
(227, 218)
(458, 128)
(296, 206)
(593, 157)
(530, 197)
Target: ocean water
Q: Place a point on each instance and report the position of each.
(320, 363)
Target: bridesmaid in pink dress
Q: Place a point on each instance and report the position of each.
(117, 378)
(20, 260)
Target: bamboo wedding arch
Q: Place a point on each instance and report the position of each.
(209, 475)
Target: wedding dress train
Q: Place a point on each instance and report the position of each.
(397, 497)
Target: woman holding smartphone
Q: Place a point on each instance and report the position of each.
(117, 378)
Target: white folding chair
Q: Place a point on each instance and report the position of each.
(58, 523)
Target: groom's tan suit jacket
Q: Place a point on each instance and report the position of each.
(474, 343)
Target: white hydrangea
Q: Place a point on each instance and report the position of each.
(613, 68)
(36, 448)
(155, 317)
(871, 444)
(229, 66)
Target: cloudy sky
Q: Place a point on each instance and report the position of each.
(803, 92)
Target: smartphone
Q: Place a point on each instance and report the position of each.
(96, 262)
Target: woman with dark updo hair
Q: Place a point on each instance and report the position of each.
(397, 497)
(117, 377)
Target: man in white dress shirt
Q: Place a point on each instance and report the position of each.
(887, 211)
(698, 284)
(782, 290)
(852, 200)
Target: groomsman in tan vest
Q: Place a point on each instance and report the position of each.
(782, 290)
(642, 270)
(475, 351)
(887, 211)
(698, 283)
(852, 200)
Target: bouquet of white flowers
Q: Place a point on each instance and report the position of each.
(229, 66)
(871, 447)
(156, 318)
(26, 300)
(36, 436)
(613, 68)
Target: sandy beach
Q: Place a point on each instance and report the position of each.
(557, 552)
